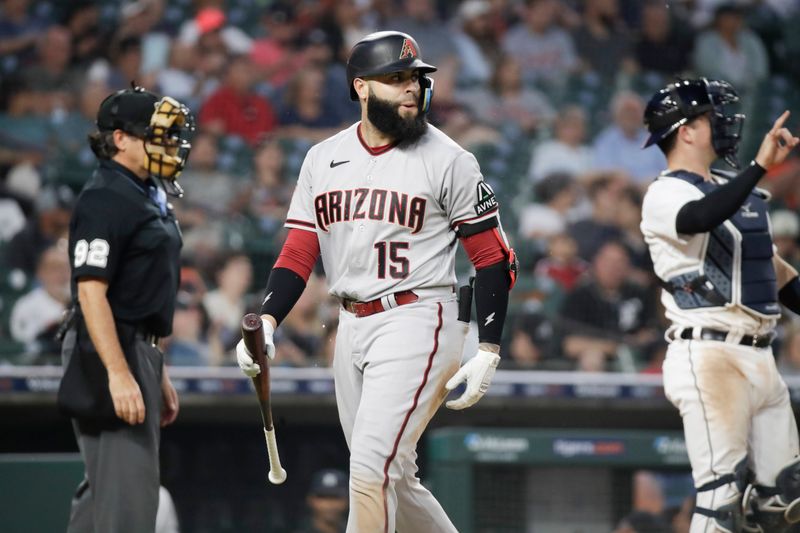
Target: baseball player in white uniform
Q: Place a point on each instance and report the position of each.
(384, 203)
(710, 240)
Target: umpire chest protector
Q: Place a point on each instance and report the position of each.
(735, 266)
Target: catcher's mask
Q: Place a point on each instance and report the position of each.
(384, 52)
(164, 124)
(167, 144)
(679, 102)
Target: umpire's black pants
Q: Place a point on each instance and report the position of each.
(119, 492)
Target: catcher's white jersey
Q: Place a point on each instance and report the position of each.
(386, 218)
(673, 254)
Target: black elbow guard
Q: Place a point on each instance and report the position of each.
(491, 300)
(284, 288)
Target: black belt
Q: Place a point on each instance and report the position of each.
(707, 334)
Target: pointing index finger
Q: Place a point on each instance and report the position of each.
(781, 119)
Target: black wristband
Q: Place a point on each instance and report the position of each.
(789, 295)
(491, 301)
(284, 288)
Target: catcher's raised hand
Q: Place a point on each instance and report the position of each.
(777, 144)
(245, 359)
(478, 373)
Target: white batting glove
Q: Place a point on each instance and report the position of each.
(478, 373)
(245, 358)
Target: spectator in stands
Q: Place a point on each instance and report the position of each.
(327, 502)
(629, 218)
(532, 342)
(789, 358)
(234, 108)
(125, 65)
(37, 314)
(476, 44)
(562, 264)
(51, 76)
(660, 46)
(226, 305)
(19, 30)
(606, 311)
(555, 194)
(345, 26)
(545, 51)
(190, 75)
(507, 105)
(456, 119)
(618, 147)
(419, 18)
(211, 22)
(275, 55)
(731, 51)
(300, 336)
(320, 53)
(267, 198)
(53, 207)
(24, 122)
(604, 194)
(567, 151)
(70, 135)
(207, 187)
(188, 345)
(90, 41)
(142, 18)
(304, 114)
(785, 232)
(602, 42)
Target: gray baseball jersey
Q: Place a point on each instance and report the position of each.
(386, 220)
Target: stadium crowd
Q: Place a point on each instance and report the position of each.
(547, 94)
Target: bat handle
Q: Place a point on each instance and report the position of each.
(277, 474)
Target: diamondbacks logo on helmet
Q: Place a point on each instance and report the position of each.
(408, 49)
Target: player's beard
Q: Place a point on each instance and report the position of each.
(384, 115)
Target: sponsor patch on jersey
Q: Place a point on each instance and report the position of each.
(485, 197)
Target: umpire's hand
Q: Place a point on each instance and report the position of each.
(126, 395)
(777, 144)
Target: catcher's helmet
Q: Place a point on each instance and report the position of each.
(389, 51)
(679, 102)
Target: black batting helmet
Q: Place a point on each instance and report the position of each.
(384, 52)
(679, 102)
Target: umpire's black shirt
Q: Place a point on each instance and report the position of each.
(120, 233)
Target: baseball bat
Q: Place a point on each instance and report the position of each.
(253, 335)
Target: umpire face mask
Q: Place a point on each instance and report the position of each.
(384, 115)
(166, 142)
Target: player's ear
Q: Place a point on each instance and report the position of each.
(361, 87)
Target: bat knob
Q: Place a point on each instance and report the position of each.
(278, 477)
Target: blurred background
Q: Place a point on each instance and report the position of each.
(575, 434)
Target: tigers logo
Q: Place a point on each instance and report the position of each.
(408, 49)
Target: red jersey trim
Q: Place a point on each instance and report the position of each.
(301, 223)
(392, 455)
(378, 150)
(485, 248)
(299, 253)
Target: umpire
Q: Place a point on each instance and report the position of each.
(124, 252)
